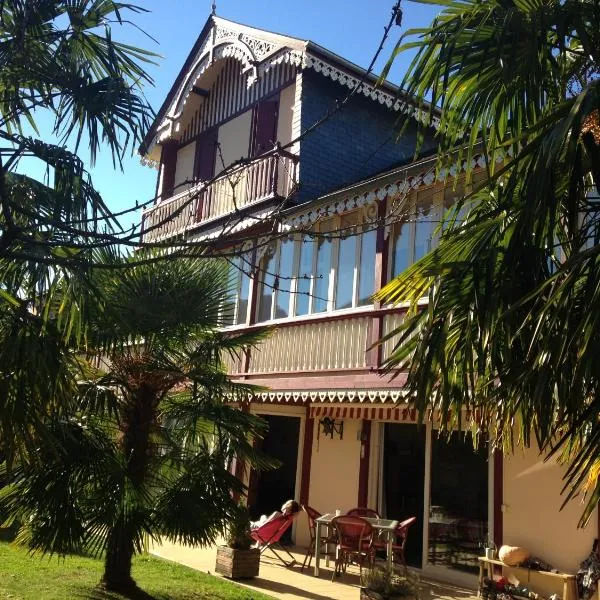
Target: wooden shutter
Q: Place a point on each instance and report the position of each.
(206, 154)
(168, 159)
(265, 126)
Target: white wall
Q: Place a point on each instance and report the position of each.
(532, 517)
(335, 469)
(234, 139)
(185, 166)
(287, 105)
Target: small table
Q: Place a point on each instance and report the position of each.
(388, 526)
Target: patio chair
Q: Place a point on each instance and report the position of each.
(268, 536)
(354, 543)
(399, 544)
(326, 540)
(361, 511)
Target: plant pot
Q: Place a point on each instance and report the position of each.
(237, 564)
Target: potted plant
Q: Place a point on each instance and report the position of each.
(237, 560)
(380, 584)
(490, 548)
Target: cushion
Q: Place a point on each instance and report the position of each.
(513, 555)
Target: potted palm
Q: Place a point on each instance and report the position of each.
(381, 584)
(236, 559)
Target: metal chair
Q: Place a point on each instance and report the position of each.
(326, 540)
(362, 511)
(399, 544)
(354, 543)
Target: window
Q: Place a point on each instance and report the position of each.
(413, 237)
(419, 230)
(333, 269)
(275, 279)
(235, 306)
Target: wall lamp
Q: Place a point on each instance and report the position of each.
(330, 427)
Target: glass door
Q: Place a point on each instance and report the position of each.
(402, 482)
(458, 506)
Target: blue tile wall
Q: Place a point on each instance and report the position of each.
(358, 141)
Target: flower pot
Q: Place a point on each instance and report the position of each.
(237, 564)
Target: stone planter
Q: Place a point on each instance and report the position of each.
(237, 564)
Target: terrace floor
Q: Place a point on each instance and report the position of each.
(291, 584)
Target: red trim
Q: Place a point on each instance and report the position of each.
(363, 474)
(323, 380)
(498, 496)
(169, 164)
(239, 466)
(309, 428)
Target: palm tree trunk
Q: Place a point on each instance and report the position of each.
(136, 427)
(117, 564)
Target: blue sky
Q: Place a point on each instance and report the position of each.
(351, 28)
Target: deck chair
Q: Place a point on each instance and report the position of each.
(268, 536)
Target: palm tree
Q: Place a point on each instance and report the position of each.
(146, 448)
(62, 59)
(514, 297)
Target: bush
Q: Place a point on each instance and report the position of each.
(238, 532)
(390, 585)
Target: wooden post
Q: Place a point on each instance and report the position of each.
(363, 474)
(309, 428)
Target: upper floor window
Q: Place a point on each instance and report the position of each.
(333, 269)
(235, 305)
(417, 231)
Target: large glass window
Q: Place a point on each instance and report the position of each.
(345, 276)
(235, 305)
(305, 275)
(416, 234)
(266, 278)
(366, 273)
(322, 274)
(284, 278)
(332, 268)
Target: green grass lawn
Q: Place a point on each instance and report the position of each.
(25, 578)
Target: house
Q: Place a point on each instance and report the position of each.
(317, 206)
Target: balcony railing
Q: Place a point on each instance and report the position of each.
(274, 176)
(323, 345)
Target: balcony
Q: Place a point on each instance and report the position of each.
(270, 177)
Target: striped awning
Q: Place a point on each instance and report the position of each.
(404, 414)
(399, 414)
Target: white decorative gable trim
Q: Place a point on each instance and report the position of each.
(257, 56)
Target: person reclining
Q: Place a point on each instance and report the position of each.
(289, 508)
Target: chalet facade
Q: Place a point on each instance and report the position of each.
(320, 218)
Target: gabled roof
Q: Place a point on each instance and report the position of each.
(259, 51)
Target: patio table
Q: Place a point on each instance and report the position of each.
(386, 526)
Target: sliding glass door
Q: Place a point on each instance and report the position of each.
(458, 503)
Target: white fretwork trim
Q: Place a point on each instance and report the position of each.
(258, 56)
(328, 396)
(396, 191)
(148, 162)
